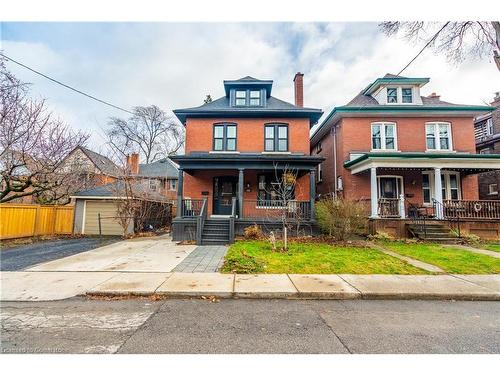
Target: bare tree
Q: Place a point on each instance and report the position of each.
(150, 132)
(457, 40)
(32, 144)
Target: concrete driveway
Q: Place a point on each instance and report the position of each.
(151, 254)
(20, 257)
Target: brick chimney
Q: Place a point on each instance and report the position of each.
(434, 95)
(496, 100)
(133, 163)
(298, 82)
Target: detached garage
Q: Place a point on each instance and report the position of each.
(100, 204)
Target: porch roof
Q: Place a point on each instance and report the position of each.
(424, 160)
(246, 161)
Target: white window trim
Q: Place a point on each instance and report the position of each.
(412, 94)
(436, 136)
(446, 175)
(490, 192)
(320, 173)
(382, 136)
(401, 183)
(399, 95)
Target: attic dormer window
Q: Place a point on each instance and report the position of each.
(241, 97)
(392, 95)
(406, 95)
(255, 97)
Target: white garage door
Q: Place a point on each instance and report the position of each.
(109, 225)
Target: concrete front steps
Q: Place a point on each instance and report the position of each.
(215, 232)
(434, 232)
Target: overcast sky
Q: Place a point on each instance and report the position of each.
(176, 65)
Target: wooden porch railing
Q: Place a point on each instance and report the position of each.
(388, 207)
(274, 209)
(191, 207)
(471, 209)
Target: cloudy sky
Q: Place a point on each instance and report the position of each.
(175, 65)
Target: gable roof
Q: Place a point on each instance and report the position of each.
(161, 168)
(103, 163)
(394, 79)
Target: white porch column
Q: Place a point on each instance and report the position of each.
(402, 212)
(438, 193)
(373, 192)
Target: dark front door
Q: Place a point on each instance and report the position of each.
(224, 191)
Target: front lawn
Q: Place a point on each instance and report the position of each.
(452, 260)
(312, 258)
(491, 246)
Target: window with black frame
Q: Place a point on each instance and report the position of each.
(224, 137)
(276, 138)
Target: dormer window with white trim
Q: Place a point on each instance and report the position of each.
(392, 95)
(438, 136)
(407, 95)
(384, 136)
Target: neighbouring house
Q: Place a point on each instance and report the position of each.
(487, 132)
(238, 149)
(153, 184)
(407, 156)
(92, 168)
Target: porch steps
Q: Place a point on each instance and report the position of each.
(434, 232)
(215, 232)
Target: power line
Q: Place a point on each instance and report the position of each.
(65, 85)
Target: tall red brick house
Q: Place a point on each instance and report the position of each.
(403, 153)
(237, 148)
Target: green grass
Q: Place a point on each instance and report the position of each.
(452, 260)
(258, 257)
(491, 246)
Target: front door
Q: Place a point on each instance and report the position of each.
(224, 191)
(388, 194)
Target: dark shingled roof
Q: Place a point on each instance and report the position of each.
(114, 189)
(362, 100)
(161, 168)
(104, 164)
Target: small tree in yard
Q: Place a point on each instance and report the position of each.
(341, 218)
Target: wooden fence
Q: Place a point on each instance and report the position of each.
(26, 220)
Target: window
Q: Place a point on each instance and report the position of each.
(255, 97)
(489, 127)
(383, 136)
(152, 185)
(241, 97)
(438, 136)
(485, 151)
(224, 137)
(450, 185)
(492, 189)
(318, 147)
(320, 172)
(406, 95)
(172, 184)
(276, 137)
(392, 95)
(269, 188)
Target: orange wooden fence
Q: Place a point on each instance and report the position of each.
(26, 220)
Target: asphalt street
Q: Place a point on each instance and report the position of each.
(22, 256)
(250, 326)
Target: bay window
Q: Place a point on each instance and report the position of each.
(384, 136)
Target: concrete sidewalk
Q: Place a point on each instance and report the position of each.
(46, 286)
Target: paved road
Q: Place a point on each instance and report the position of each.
(251, 326)
(23, 256)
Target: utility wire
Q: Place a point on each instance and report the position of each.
(65, 85)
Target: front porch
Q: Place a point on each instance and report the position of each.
(226, 193)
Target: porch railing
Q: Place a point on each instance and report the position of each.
(200, 221)
(274, 209)
(388, 207)
(471, 209)
(191, 207)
